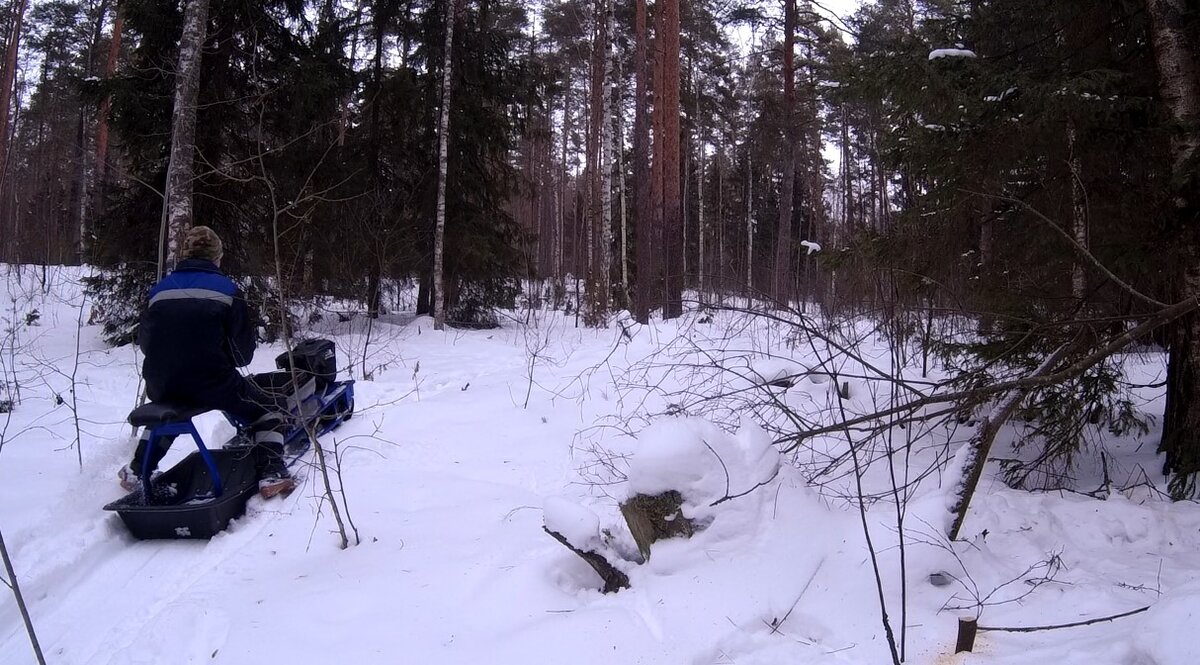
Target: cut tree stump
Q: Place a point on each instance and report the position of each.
(614, 580)
(966, 635)
(654, 518)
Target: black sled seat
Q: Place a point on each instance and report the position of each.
(158, 414)
(197, 497)
(165, 419)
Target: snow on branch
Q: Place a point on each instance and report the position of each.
(939, 53)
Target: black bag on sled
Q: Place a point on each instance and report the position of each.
(314, 357)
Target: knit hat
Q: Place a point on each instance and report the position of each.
(202, 243)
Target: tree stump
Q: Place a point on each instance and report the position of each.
(653, 518)
(966, 635)
(614, 580)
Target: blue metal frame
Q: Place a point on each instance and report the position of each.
(342, 393)
(338, 394)
(177, 428)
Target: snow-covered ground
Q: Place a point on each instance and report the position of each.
(447, 473)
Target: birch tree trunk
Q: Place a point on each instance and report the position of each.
(1179, 87)
(1083, 49)
(82, 151)
(594, 190)
(749, 224)
(439, 232)
(604, 284)
(719, 216)
(177, 199)
(847, 194)
(1079, 218)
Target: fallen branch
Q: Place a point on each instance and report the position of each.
(776, 624)
(614, 580)
(982, 444)
(1075, 624)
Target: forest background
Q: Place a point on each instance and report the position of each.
(1014, 184)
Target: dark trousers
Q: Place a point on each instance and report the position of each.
(246, 402)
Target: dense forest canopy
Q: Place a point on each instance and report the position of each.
(1022, 171)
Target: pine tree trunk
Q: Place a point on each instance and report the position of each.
(621, 184)
(647, 265)
(672, 218)
(100, 174)
(686, 156)
(439, 233)
(180, 170)
(781, 286)
(1179, 87)
(701, 229)
(656, 163)
(814, 183)
(560, 238)
(7, 78)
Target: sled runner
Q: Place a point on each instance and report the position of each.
(198, 497)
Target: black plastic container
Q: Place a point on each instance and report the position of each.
(315, 358)
(179, 507)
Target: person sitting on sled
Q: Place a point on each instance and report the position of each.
(194, 334)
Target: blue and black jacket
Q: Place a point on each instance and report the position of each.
(195, 333)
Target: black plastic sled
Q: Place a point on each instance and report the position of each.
(182, 504)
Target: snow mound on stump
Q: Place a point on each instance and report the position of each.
(579, 525)
(701, 461)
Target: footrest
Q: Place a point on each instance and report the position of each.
(156, 414)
